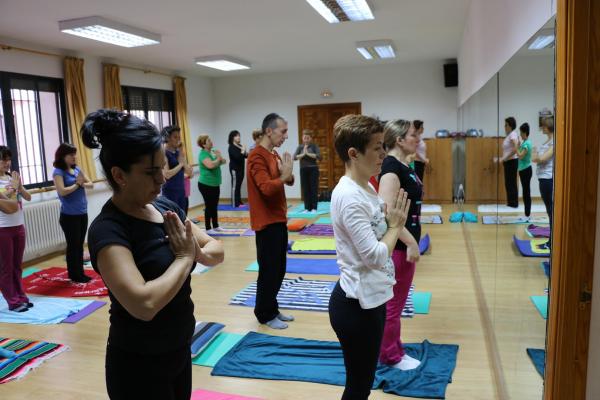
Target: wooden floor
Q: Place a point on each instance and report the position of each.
(452, 275)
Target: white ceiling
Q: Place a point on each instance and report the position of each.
(273, 35)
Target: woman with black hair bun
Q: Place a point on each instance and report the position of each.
(144, 248)
(70, 182)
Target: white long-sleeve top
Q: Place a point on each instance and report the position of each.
(366, 269)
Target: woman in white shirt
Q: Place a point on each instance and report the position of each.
(544, 158)
(365, 236)
(510, 161)
(12, 234)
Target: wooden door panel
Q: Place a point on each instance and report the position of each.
(438, 173)
(484, 177)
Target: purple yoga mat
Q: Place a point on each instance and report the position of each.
(318, 230)
(81, 314)
(538, 231)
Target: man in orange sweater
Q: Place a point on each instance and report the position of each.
(267, 175)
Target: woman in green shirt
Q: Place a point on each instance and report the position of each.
(209, 182)
(525, 171)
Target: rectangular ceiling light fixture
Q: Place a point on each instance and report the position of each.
(223, 63)
(104, 30)
(542, 41)
(335, 11)
(374, 49)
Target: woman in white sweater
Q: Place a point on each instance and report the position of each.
(365, 236)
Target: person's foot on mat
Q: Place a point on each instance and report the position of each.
(407, 363)
(285, 318)
(276, 323)
(29, 304)
(20, 308)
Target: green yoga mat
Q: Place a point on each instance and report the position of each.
(29, 271)
(541, 303)
(217, 348)
(252, 267)
(323, 221)
(421, 302)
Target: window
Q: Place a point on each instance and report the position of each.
(32, 124)
(157, 106)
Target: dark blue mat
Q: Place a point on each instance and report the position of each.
(538, 358)
(229, 207)
(524, 247)
(424, 244)
(546, 267)
(294, 359)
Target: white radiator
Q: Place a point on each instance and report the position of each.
(44, 234)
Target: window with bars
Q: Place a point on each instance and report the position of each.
(32, 124)
(157, 106)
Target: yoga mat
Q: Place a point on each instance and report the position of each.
(421, 302)
(29, 355)
(431, 208)
(78, 316)
(297, 224)
(318, 230)
(295, 359)
(525, 248)
(424, 243)
(314, 266)
(231, 232)
(54, 281)
(200, 269)
(229, 207)
(28, 271)
(200, 394)
(430, 219)
(512, 219)
(504, 209)
(541, 304)
(324, 220)
(538, 231)
(218, 347)
(323, 207)
(326, 246)
(545, 265)
(226, 221)
(204, 333)
(46, 310)
(538, 358)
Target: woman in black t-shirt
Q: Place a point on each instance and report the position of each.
(400, 140)
(237, 159)
(145, 249)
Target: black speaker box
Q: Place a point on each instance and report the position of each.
(451, 75)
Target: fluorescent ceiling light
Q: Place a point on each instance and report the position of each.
(335, 11)
(223, 63)
(104, 30)
(542, 42)
(376, 49)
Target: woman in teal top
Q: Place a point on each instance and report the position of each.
(209, 182)
(525, 171)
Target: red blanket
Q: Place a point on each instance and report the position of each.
(55, 281)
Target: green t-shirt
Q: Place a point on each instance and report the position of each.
(209, 177)
(525, 161)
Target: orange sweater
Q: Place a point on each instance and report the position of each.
(266, 193)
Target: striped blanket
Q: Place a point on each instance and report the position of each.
(307, 295)
(28, 355)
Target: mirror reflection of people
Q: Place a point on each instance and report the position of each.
(309, 154)
(366, 231)
(70, 182)
(544, 158)
(176, 168)
(237, 160)
(209, 181)
(525, 170)
(510, 162)
(421, 159)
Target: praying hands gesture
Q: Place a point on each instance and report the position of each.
(285, 168)
(396, 215)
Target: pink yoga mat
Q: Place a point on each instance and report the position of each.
(200, 394)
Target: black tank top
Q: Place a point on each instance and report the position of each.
(412, 185)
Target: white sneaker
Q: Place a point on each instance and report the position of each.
(407, 363)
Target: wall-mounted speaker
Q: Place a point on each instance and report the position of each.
(451, 75)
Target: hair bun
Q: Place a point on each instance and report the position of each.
(99, 125)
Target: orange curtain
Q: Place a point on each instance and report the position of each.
(181, 116)
(76, 111)
(113, 97)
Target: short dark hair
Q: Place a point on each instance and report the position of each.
(232, 134)
(525, 128)
(167, 131)
(417, 123)
(270, 121)
(5, 153)
(59, 156)
(123, 139)
(354, 131)
(512, 122)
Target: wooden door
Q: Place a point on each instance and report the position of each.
(484, 177)
(438, 173)
(320, 118)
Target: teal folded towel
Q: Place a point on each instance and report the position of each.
(470, 217)
(456, 216)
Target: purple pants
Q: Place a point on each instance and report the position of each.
(12, 247)
(391, 346)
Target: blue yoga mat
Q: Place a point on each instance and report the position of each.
(315, 266)
(424, 243)
(282, 358)
(229, 207)
(46, 310)
(323, 207)
(323, 221)
(538, 358)
(524, 247)
(541, 304)
(545, 265)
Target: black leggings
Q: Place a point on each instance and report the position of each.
(74, 227)
(144, 376)
(360, 332)
(510, 182)
(546, 186)
(309, 180)
(237, 177)
(525, 176)
(210, 194)
(271, 254)
(420, 169)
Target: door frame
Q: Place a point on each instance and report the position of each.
(577, 150)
